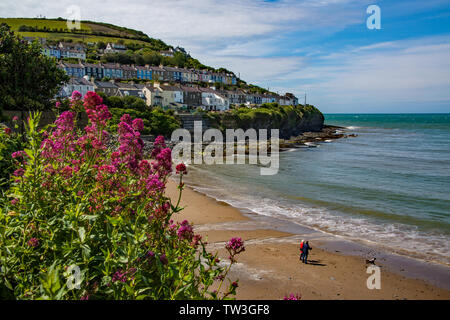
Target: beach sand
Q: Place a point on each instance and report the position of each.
(269, 268)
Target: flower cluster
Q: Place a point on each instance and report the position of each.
(293, 297)
(234, 247)
(103, 208)
(185, 231)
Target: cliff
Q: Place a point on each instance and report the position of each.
(290, 120)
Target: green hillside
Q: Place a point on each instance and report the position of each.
(141, 48)
(56, 29)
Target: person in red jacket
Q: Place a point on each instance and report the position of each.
(301, 249)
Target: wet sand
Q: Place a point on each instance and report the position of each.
(270, 267)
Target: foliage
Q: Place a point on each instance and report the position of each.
(156, 120)
(269, 116)
(28, 79)
(10, 141)
(85, 222)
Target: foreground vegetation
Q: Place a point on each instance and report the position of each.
(85, 221)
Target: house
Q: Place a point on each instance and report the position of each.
(109, 88)
(204, 76)
(213, 100)
(112, 71)
(168, 53)
(72, 50)
(192, 97)
(93, 70)
(51, 51)
(76, 84)
(128, 72)
(129, 89)
(173, 74)
(73, 69)
(293, 98)
(115, 48)
(32, 39)
(157, 73)
(152, 96)
(232, 96)
(172, 96)
(144, 73)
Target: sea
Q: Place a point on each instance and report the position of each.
(389, 186)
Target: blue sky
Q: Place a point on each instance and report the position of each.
(321, 47)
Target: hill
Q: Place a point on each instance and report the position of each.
(142, 49)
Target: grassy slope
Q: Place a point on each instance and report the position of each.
(88, 27)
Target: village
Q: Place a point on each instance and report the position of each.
(169, 87)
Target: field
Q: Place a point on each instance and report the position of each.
(115, 32)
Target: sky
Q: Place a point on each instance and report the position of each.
(321, 48)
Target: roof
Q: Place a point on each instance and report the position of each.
(79, 82)
(107, 84)
(111, 66)
(91, 65)
(126, 86)
(127, 67)
(170, 88)
(72, 65)
(190, 89)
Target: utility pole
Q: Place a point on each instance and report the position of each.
(305, 99)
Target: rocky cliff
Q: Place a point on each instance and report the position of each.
(290, 120)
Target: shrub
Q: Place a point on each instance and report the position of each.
(85, 222)
(10, 141)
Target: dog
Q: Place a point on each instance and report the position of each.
(371, 261)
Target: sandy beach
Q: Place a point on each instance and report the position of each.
(270, 267)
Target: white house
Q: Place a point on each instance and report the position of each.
(115, 48)
(213, 100)
(76, 84)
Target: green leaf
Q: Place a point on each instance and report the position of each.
(82, 233)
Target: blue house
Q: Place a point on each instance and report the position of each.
(75, 70)
(144, 73)
(93, 70)
(112, 71)
(51, 51)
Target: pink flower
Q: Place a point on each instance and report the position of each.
(163, 259)
(33, 242)
(293, 297)
(91, 99)
(76, 95)
(19, 172)
(235, 244)
(14, 201)
(67, 172)
(185, 231)
(17, 154)
(15, 118)
(181, 168)
(138, 124)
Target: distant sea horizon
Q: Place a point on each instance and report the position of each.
(389, 186)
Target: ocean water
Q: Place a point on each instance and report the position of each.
(388, 187)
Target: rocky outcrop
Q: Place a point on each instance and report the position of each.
(290, 120)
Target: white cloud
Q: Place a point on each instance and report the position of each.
(254, 37)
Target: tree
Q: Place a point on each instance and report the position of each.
(28, 79)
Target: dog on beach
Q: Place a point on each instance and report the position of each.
(371, 261)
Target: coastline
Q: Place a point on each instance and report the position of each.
(270, 266)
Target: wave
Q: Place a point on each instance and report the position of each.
(394, 237)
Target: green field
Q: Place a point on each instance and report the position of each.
(15, 23)
(87, 28)
(77, 37)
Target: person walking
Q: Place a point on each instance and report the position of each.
(301, 249)
(306, 249)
